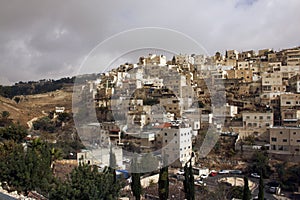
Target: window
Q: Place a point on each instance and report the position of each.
(280, 132)
(273, 139)
(294, 133)
(261, 117)
(284, 140)
(268, 117)
(166, 134)
(298, 141)
(166, 141)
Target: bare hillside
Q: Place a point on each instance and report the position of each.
(31, 106)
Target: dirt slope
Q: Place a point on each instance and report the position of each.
(32, 106)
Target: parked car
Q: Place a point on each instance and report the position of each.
(224, 171)
(199, 182)
(213, 173)
(236, 172)
(180, 172)
(255, 175)
(274, 187)
(204, 176)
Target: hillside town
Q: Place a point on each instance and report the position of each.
(229, 118)
(262, 92)
(244, 101)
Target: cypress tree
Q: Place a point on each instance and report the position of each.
(261, 189)
(112, 159)
(163, 182)
(136, 185)
(246, 192)
(191, 182)
(188, 183)
(136, 179)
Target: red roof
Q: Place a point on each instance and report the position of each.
(164, 125)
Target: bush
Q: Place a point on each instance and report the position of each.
(44, 124)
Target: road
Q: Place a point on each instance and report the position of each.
(212, 184)
(6, 197)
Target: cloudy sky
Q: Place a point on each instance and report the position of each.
(50, 38)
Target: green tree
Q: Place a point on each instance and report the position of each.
(163, 183)
(246, 192)
(261, 189)
(86, 182)
(189, 186)
(136, 186)
(235, 192)
(26, 170)
(44, 124)
(14, 132)
(64, 117)
(112, 159)
(260, 163)
(5, 114)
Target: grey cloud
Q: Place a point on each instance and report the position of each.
(54, 36)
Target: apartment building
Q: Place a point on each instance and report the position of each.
(153, 59)
(270, 98)
(246, 55)
(232, 54)
(193, 117)
(185, 59)
(170, 105)
(199, 59)
(176, 142)
(263, 52)
(293, 57)
(285, 140)
(294, 84)
(289, 100)
(289, 71)
(244, 65)
(175, 82)
(257, 120)
(100, 156)
(272, 82)
(274, 66)
(244, 75)
(290, 117)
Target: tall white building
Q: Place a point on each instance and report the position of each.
(176, 143)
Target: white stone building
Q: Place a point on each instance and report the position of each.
(177, 143)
